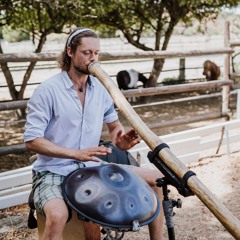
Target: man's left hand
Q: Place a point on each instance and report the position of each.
(127, 140)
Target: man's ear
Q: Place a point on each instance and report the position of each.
(69, 52)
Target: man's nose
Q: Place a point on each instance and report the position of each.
(94, 57)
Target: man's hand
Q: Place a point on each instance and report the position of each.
(127, 140)
(90, 154)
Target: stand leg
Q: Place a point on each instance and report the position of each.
(168, 213)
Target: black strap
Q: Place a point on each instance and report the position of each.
(183, 183)
(32, 221)
(171, 177)
(152, 154)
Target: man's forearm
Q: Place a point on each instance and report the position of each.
(45, 147)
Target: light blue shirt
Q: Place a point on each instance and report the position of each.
(55, 113)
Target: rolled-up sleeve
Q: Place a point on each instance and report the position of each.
(110, 115)
(39, 114)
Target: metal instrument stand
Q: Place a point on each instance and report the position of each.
(112, 234)
(168, 205)
(170, 178)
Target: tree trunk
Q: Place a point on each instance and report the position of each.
(155, 73)
(158, 63)
(19, 95)
(31, 66)
(9, 79)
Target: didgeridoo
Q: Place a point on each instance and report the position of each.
(228, 220)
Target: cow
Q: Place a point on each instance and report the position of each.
(211, 70)
(128, 79)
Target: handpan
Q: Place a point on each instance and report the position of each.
(111, 196)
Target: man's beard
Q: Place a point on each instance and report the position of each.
(82, 70)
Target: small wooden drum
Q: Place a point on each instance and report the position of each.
(111, 196)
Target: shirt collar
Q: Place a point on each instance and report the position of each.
(68, 83)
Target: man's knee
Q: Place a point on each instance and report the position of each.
(55, 218)
(56, 213)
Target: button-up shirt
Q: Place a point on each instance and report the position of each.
(56, 113)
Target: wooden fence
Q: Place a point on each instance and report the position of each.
(231, 44)
(188, 145)
(143, 92)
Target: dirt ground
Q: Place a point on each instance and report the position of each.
(220, 174)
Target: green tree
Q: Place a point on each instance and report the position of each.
(134, 18)
(155, 18)
(40, 18)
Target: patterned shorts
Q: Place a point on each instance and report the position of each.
(47, 186)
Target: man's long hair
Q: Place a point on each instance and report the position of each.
(64, 61)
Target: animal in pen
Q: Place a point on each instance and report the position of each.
(210, 70)
(128, 79)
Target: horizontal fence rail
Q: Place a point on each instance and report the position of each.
(36, 57)
(194, 144)
(175, 88)
(234, 43)
(164, 54)
(11, 105)
(17, 148)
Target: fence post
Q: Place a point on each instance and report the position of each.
(226, 89)
(182, 69)
(238, 104)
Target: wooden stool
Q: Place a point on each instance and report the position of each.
(75, 229)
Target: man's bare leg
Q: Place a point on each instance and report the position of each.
(56, 213)
(150, 176)
(156, 227)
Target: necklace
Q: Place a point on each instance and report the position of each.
(80, 88)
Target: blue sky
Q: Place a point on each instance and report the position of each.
(234, 10)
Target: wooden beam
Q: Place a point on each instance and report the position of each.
(14, 199)
(12, 105)
(105, 56)
(28, 57)
(19, 179)
(175, 88)
(18, 148)
(177, 122)
(234, 75)
(163, 54)
(234, 43)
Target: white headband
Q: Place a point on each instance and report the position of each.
(76, 33)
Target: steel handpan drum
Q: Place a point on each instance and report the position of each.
(111, 196)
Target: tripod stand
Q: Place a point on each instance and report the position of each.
(170, 178)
